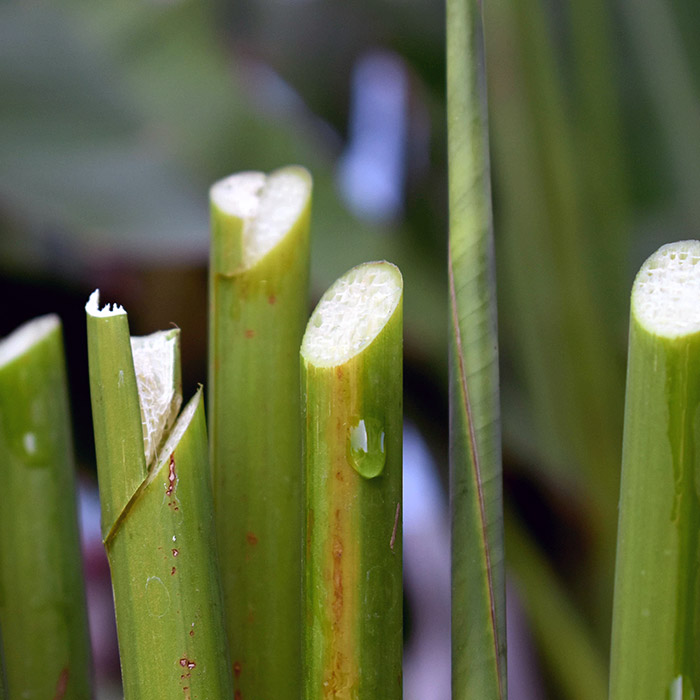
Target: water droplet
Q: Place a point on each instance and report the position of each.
(681, 688)
(366, 447)
(29, 441)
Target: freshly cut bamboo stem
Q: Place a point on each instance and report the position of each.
(43, 614)
(352, 397)
(656, 638)
(478, 570)
(158, 523)
(259, 305)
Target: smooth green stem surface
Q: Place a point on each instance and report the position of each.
(352, 399)
(159, 534)
(43, 614)
(259, 278)
(655, 640)
(478, 579)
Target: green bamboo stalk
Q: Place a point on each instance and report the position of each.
(351, 359)
(478, 579)
(157, 514)
(655, 639)
(42, 598)
(259, 279)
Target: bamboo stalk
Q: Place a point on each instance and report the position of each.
(655, 638)
(42, 598)
(352, 397)
(478, 578)
(259, 305)
(157, 508)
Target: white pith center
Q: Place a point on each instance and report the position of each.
(351, 314)
(666, 292)
(267, 205)
(155, 356)
(24, 337)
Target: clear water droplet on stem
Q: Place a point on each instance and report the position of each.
(366, 447)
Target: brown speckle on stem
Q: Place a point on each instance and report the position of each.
(251, 538)
(238, 695)
(176, 552)
(396, 524)
(61, 684)
(187, 663)
(250, 333)
(237, 669)
(172, 572)
(271, 299)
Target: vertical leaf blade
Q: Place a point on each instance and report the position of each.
(478, 585)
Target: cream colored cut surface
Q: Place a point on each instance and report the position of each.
(666, 292)
(351, 314)
(268, 205)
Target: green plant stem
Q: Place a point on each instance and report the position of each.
(42, 598)
(159, 534)
(352, 398)
(655, 640)
(258, 309)
(478, 580)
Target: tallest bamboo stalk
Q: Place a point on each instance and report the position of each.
(258, 309)
(478, 589)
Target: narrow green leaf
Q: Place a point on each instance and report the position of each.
(158, 518)
(655, 640)
(351, 359)
(478, 586)
(258, 308)
(42, 598)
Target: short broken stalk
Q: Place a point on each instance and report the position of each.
(157, 514)
(655, 639)
(258, 309)
(352, 397)
(42, 597)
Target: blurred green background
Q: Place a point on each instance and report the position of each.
(116, 117)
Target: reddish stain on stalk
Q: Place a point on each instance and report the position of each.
(339, 475)
(271, 299)
(237, 669)
(187, 663)
(172, 572)
(186, 692)
(252, 539)
(172, 476)
(250, 333)
(61, 684)
(176, 552)
(337, 572)
(339, 372)
(238, 695)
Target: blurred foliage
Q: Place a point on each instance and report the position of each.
(116, 117)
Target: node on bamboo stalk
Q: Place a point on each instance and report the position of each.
(258, 309)
(351, 359)
(43, 612)
(655, 638)
(157, 513)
